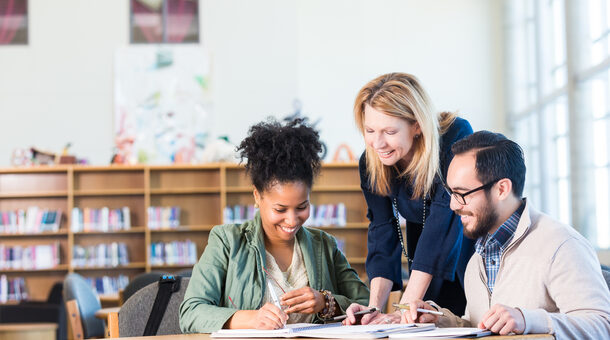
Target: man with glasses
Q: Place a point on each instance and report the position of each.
(530, 273)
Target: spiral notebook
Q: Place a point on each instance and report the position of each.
(329, 331)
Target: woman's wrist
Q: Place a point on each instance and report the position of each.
(330, 305)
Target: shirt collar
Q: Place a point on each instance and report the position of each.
(504, 233)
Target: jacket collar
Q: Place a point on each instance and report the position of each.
(524, 223)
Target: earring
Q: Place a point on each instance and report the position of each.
(255, 205)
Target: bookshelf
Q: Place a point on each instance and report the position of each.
(200, 191)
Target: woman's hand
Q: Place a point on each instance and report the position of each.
(411, 315)
(303, 300)
(354, 320)
(269, 317)
(387, 318)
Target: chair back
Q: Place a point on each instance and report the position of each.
(76, 288)
(134, 314)
(140, 282)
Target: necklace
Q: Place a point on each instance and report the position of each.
(399, 230)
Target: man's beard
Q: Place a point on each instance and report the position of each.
(486, 220)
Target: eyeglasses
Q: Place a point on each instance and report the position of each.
(461, 198)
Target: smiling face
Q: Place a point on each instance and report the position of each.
(391, 138)
(284, 207)
(480, 215)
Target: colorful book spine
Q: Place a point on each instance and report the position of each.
(33, 220)
(108, 285)
(163, 217)
(12, 289)
(101, 255)
(238, 213)
(41, 256)
(173, 253)
(103, 219)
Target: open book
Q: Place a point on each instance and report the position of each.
(444, 333)
(330, 331)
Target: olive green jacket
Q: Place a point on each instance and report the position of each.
(232, 266)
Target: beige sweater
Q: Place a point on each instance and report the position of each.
(551, 273)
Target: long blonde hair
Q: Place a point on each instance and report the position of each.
(401, 95)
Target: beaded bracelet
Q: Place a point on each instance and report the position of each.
(329, 305)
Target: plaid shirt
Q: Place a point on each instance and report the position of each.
(491, 247)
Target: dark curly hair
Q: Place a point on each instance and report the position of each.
(281, 153)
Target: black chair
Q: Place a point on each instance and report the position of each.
(140, 282)
(51, 310)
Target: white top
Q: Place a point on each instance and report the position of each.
(294, 277)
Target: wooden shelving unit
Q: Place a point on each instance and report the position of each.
(201, 191)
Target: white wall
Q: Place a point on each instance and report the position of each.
(265, 53)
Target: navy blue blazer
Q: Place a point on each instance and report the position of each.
(441, 249)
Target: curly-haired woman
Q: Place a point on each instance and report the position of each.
(245, 266)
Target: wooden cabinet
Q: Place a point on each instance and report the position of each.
(200, 191)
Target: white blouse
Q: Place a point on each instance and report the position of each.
(293, 278)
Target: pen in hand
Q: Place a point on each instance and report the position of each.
(421, 310)
(358, 315)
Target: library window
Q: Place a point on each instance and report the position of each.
(164, 21)
(13, 22)
(558, 82)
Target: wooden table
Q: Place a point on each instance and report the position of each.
(207, 337)
(103, 313)
(27, 331)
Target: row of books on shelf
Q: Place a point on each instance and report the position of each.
(100, 255)
(13, 289)
(29, 221)
(163, 217)
(108, 285)
(327, 215)
(103, 219)
(41, 256)
(319, 215)
(171, 253)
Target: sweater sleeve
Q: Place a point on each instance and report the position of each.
(580, 293)
(200, 311)
(383, 257)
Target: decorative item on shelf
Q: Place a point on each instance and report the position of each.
(104, 219)
(163, 217)
(102, 255)
(173, 253)
(347, 150)
(12, 289)
(40, 256)
(36, 156)
(219, 150)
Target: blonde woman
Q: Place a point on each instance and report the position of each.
(408, 151)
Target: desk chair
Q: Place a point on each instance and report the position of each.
(81, 304)
(133, 315)
(139, 282)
